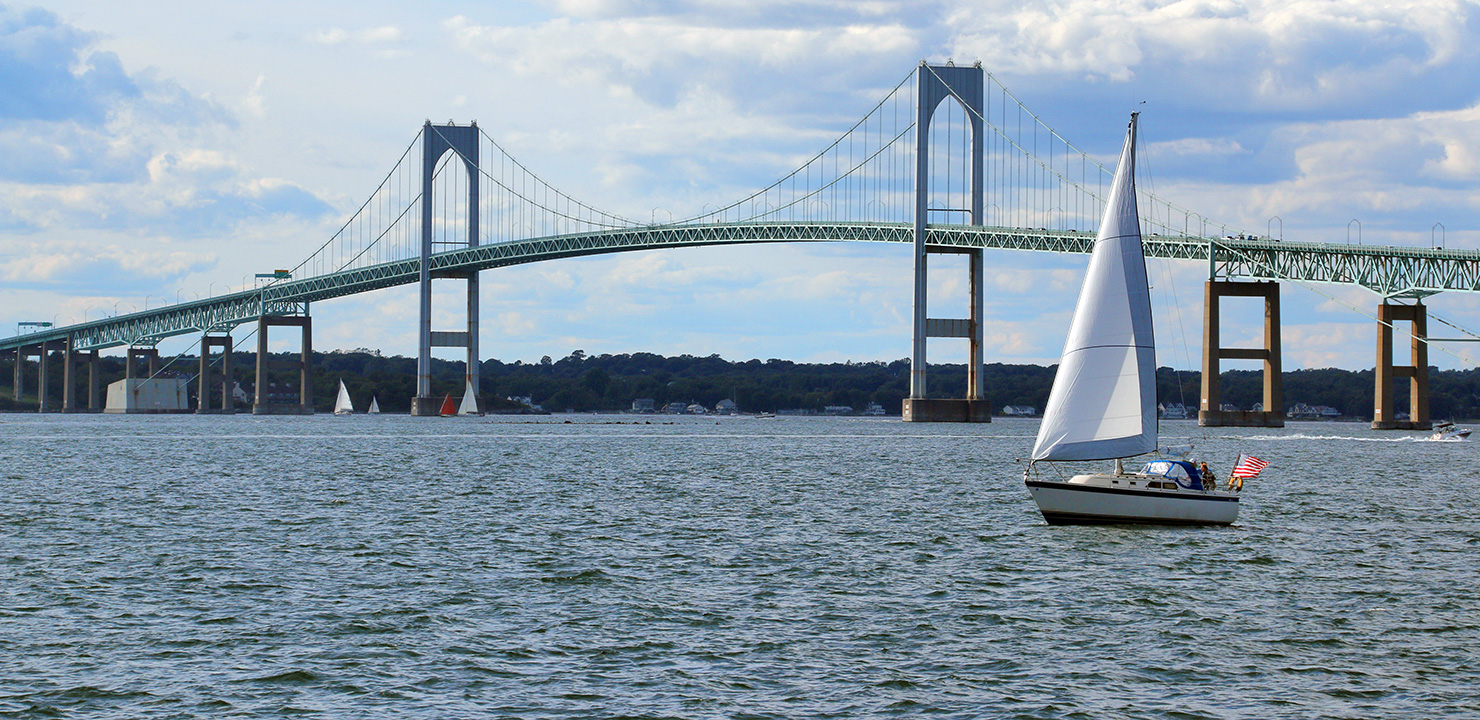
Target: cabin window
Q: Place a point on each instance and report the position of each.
(1114, 482)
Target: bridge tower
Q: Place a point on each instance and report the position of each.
(935, 83)
(438, 140)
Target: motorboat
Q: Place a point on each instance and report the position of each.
(1449, 431)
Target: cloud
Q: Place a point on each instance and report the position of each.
(663, 58)
(363, 36)
(88, 267)
(50, 75)
(1292, 55)
(87, 146)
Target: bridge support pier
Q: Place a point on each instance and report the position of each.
(43, 369)
(438, 140)
(72, 360)
(1211, 413)
(20, 363)
(935, 84)
(1384, 416)
(203, 394)
(262, 405)
(149, 356)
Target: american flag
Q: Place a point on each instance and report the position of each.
(1248, 466)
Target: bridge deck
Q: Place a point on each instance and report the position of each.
(1385, 270)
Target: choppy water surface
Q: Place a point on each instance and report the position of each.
(735, 568)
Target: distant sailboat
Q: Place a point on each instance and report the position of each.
(1103, 402)
(342, 405)
(469, 402)
(448, 409)
(374, 406)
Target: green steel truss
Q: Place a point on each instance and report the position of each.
(1388, 271)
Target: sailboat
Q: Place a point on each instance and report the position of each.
(342, 405)
(1103, 402)
(374, 406)
(469, 402)
(448, 409)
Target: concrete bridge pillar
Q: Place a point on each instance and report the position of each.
(304, 406)
(203, 394)
(935, 84)
(1384, 415)
(74, 359)
(149, 356)
(44, 403)
(94, 399)
(438, 140)
(1211, 413)
(20, 362)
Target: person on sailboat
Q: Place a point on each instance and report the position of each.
(1209, 480)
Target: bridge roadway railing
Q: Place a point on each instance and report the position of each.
(1386, 270)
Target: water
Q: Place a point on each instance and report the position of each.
(155, 567)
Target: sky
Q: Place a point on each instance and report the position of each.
(154, 152)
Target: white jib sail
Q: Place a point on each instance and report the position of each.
(374, 406)
(1103, 402)
(469, 402)
(342, 405)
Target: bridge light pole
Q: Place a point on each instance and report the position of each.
(115, 308)
(146, 302)
(1269, 227)
(1440, 227)
(1349, 231)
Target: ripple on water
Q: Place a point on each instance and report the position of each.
(789, 568)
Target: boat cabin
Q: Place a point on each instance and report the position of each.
(1181, 472)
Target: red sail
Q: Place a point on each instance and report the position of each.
(447, 407)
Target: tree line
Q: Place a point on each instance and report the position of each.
(597, 383)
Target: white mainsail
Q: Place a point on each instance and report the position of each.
(1103, 402)
(469, 402)
(342, 405)
(374, 406)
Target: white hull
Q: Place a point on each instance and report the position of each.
(1114, 499)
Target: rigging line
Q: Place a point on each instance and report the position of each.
(397, 166)
(218, 359)
(1311, 287)
(809, 162)
(521, 194)
(515, 162)
(802, 200)
(1450, 324)
(1027, 155)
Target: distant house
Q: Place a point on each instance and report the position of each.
(675, 408)
(696, 409)
(726, 407)
(1019, 410)
(837, 410)
(1228, 407)
(874, 409)
(1302, 411)
(1172, 411)
(643, 405)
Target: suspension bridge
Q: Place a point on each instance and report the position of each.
(949, 161)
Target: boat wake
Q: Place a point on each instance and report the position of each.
(1351, 438)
